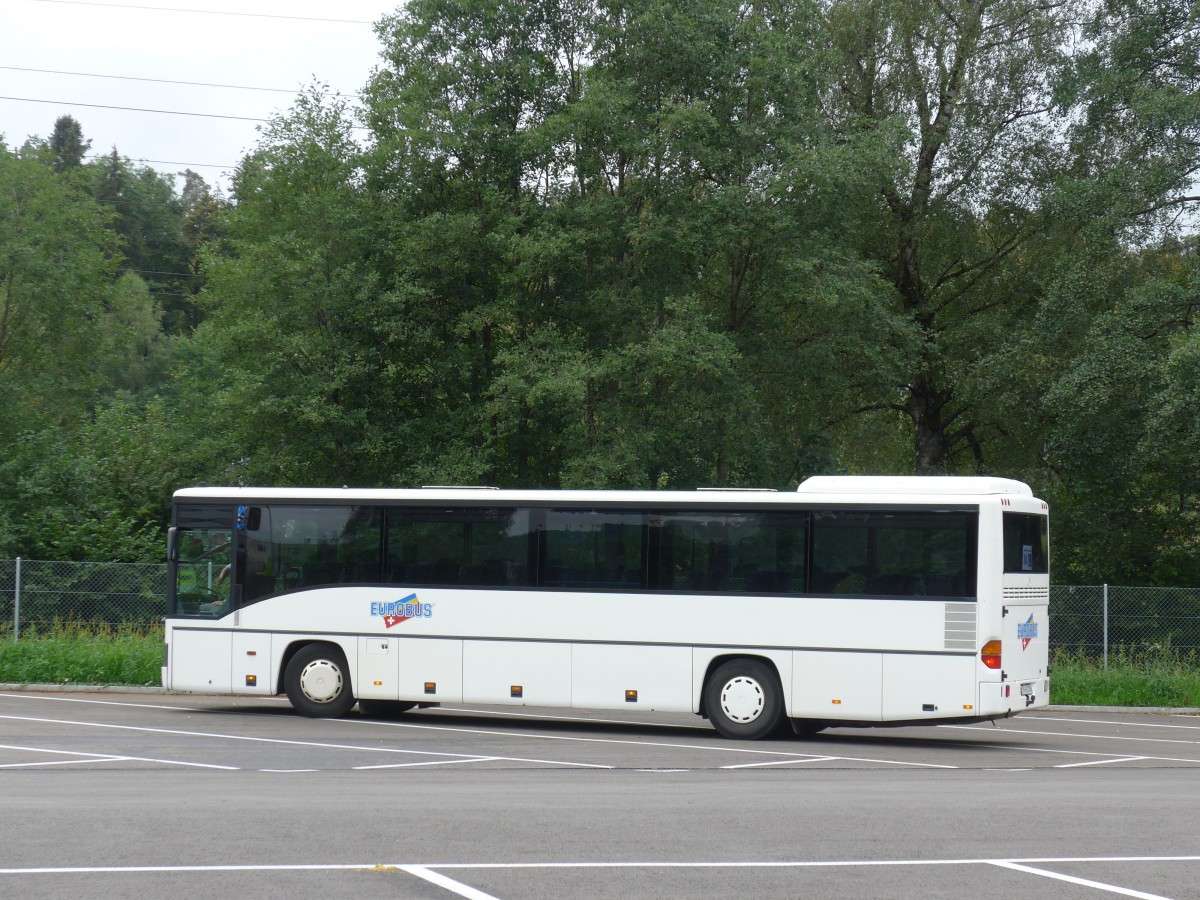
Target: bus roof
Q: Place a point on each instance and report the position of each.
(920, 484)
(863, 489)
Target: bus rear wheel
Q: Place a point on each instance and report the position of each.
(317, 681)
(743, 699)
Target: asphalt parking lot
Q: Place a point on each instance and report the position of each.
(115, 795)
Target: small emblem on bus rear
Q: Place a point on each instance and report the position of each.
(1027, 631)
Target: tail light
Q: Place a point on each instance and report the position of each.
(990, 654)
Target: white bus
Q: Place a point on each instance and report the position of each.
(852, 601)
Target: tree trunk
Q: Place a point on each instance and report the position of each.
(926, 406)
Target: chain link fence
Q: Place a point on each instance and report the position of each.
(36, 596)
(1095, 620)
(40, 596)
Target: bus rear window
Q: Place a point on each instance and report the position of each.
(1026, 544)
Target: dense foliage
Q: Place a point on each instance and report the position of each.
(642, 244)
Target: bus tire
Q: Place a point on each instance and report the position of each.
(384, 709)
(743, 699)
(317, 681)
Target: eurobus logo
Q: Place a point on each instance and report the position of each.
(402, 610)
(1027, 631)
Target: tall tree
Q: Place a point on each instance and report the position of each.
(82, 352)
(600, 182)
(56, 260)
(67, 144)
(1135, 135)
(294, 356)
(1120, 305)
(1030, 133)
(460, 111)
(966, 88)
(159, 230)
(202, 224)
(1119, 428)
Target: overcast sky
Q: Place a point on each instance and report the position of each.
(279, 44)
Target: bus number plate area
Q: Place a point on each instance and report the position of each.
(1027, 689)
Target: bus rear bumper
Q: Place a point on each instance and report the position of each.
(1009, 697)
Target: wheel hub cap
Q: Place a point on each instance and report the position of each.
(321, 681)
(742, 699)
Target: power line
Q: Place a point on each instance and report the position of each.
(165, 112)
(206, 12)
(237, 87)
(167, 162)
(175, 162)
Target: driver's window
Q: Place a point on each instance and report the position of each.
(202, 572)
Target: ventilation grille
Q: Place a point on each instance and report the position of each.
(1020, 595)
(960, 626)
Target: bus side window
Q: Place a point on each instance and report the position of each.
(479, 547)
(899, 553)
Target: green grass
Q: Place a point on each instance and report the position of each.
(69, 653)
(1158, 675)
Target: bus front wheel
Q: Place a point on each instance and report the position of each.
(744, 700)
(317, 681)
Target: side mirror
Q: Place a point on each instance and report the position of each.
(249, 518)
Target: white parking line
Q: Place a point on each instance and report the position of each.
(91, 757)
(777, 757)
(1084, 882)
(1100, 762)
(789, 756)
(59, 762)
(662, 771)
(1106, 756)
(1075, 734)
(723, 748)
(264, 740)
(35, 696)
(782, 762)
(449, 884)
(432, 762)
(1132, 722)
(882, 762)
(101, 757)
(573, 764)
(1020, 863)
(812, 864)
(287, 771)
